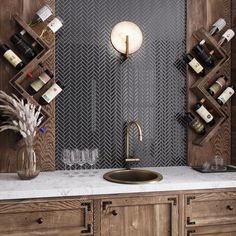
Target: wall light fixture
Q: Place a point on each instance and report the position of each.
(126, 37)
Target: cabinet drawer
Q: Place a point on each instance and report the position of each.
(210, 209)
(46, 215)
(221, 230)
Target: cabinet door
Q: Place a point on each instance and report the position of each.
(139, 216)
(223, 230)
(61, 217)
(206, 209)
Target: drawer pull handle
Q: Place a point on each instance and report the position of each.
(114, 213)
(229, 207)
(40, 220)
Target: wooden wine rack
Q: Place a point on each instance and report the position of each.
(18, 80)
(199, 88)
(217, 141)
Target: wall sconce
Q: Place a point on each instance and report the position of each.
(126, 37)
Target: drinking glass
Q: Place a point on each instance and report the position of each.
(79, 159)
(85, 154)
(92, 160)
(65, 154)
(218, 163)
(70, 161)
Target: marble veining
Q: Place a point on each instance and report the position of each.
(58, 183)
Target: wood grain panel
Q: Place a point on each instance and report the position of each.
(45, 145)
(203, 13)
(47, 217)
(233, 101)
(210, 209)
(152, 216)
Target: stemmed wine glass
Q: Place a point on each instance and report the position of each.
(79, 159)
(70, 161)
(92, 159)
(65, 154)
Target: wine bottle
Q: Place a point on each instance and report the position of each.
(195, 123)
(203, 56)
(41, 15)
(51, 93)
(22, 46)
(42, 80)
(217, 26)
(204, 113)
(52, 27)
(226, 95)
(11, 57)
(194, 64)
(226, 37)
(199, 49)
(218, 85)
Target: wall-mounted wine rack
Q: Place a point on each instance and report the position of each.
(217, 140)
(18, 81)
(199, 88)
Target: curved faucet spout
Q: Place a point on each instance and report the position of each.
(140, 138)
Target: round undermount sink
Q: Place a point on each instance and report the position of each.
(133, 176)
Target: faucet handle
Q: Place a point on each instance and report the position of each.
(132, 159)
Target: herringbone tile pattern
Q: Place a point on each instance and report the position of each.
(102, 92)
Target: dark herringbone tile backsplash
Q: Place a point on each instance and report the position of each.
(102, 92)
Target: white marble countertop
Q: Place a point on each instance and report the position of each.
(57, 184)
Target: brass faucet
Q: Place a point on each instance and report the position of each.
(140, 138)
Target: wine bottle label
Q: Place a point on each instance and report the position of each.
(220, 24)
(55, 25)
(215, 88)
(12, 57)
(196, 66)
(225, 96)
(229, 34)
(44, 77)
(37, 85)
(44, 13)
(197, 126)
(221, 81)
(205, 114)
(51, 93)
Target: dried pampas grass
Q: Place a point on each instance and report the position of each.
(24, 116)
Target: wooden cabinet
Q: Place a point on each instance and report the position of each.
(210, 214)
(139, 216)
(46, 217)
(186, 213)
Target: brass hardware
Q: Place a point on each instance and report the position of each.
(190, 232)
(114, 213)
(105, 204)
(229, 207)
(40, 220)
(140, 137)
(174, 200)
(88, 230)
(133, 176)
(189, 222)
(87, 204)
(127, 46)
(189, 198)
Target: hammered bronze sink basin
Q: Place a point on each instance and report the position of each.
(132, 176)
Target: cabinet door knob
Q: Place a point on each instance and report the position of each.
(229, 207)
(40, 220)
(114, 213)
